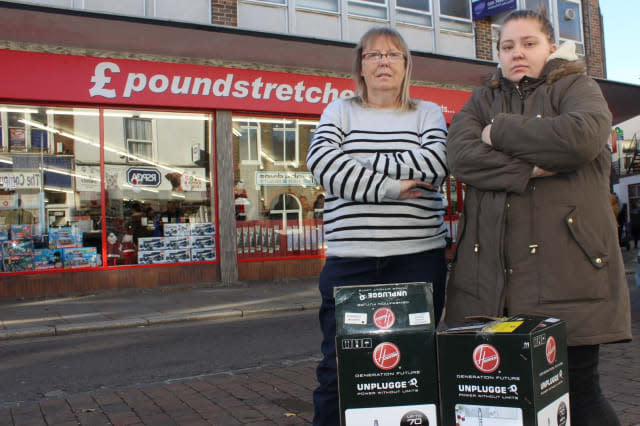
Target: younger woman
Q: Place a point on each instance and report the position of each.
(537, 235)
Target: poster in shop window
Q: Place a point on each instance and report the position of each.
(17, 141)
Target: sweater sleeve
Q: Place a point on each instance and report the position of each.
(564, 142)
(428, 162)
(477, 164)
(340, 174)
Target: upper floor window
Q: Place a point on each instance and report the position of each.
(370, 8)
(455, 15)
(569, 22)
(139, 137)
(414, 12)
(326, 5)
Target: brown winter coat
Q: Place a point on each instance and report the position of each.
(544, 246)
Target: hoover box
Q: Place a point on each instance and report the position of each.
(509, 372)
(385, 344)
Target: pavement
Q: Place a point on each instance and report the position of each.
(260, 396)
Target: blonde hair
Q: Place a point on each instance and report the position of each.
(405, 103)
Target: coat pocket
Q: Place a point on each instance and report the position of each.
(464, 271)
(578, 268)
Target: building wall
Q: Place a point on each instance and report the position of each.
(594, 39)
(287, 17)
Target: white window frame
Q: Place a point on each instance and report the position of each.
(319, 10)
(151, 141)
(283, 196)
(252, 125)
(468, 21)
(409, 10)
(382, 6)
(294, 127)
(556, 22)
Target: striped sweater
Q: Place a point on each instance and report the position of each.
(359, 155)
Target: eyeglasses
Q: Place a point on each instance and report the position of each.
(377, 56)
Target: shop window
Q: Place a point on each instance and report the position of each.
(455, 15)
(139, 137)
(249, 143)
(416, 12)
(325, 5)
(278, 204)
(285, 146)
(159, 207)
(369, 8)
(50, 213)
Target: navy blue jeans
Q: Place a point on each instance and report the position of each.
(428, 266)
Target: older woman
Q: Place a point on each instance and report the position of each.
(380, 157)
(537, 235)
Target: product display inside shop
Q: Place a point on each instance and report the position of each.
(277, 201)
(158, 188)
(156, 180)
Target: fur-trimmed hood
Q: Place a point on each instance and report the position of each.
(560, 63)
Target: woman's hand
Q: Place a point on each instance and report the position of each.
(408, 188)
(486, 134)
(539, 172)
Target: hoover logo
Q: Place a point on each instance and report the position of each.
(551, 350)
(386, 356)
(384, 318)
(139, 176)
(486, 358)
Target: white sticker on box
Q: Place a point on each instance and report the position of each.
(425, 414)
(419, 318)
(355, 318)
(556, 413)
(483, 415)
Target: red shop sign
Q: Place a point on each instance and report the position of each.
(36, 76)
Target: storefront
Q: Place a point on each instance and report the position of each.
(118, 173)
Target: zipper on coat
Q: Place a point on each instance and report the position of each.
(521, 95)
(503, 263)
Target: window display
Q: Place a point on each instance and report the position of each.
(278, 203)
(158, 187)
(49, 192)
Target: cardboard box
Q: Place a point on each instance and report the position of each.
(17, 248)
(385, 344)
(4, 232)
(82, 257)
(204, 242)
(25, 232)
(505, 373)
(151, 244)
(176, 256)
(149, 257)
(17, 263)
(66, 237)
(203, 255)
(177, 243)
(201, 229)
(44, 259)
(176, 230)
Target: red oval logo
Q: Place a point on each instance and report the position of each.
(386, 356)
(384, 318)
(551, 350)
(486, 358)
